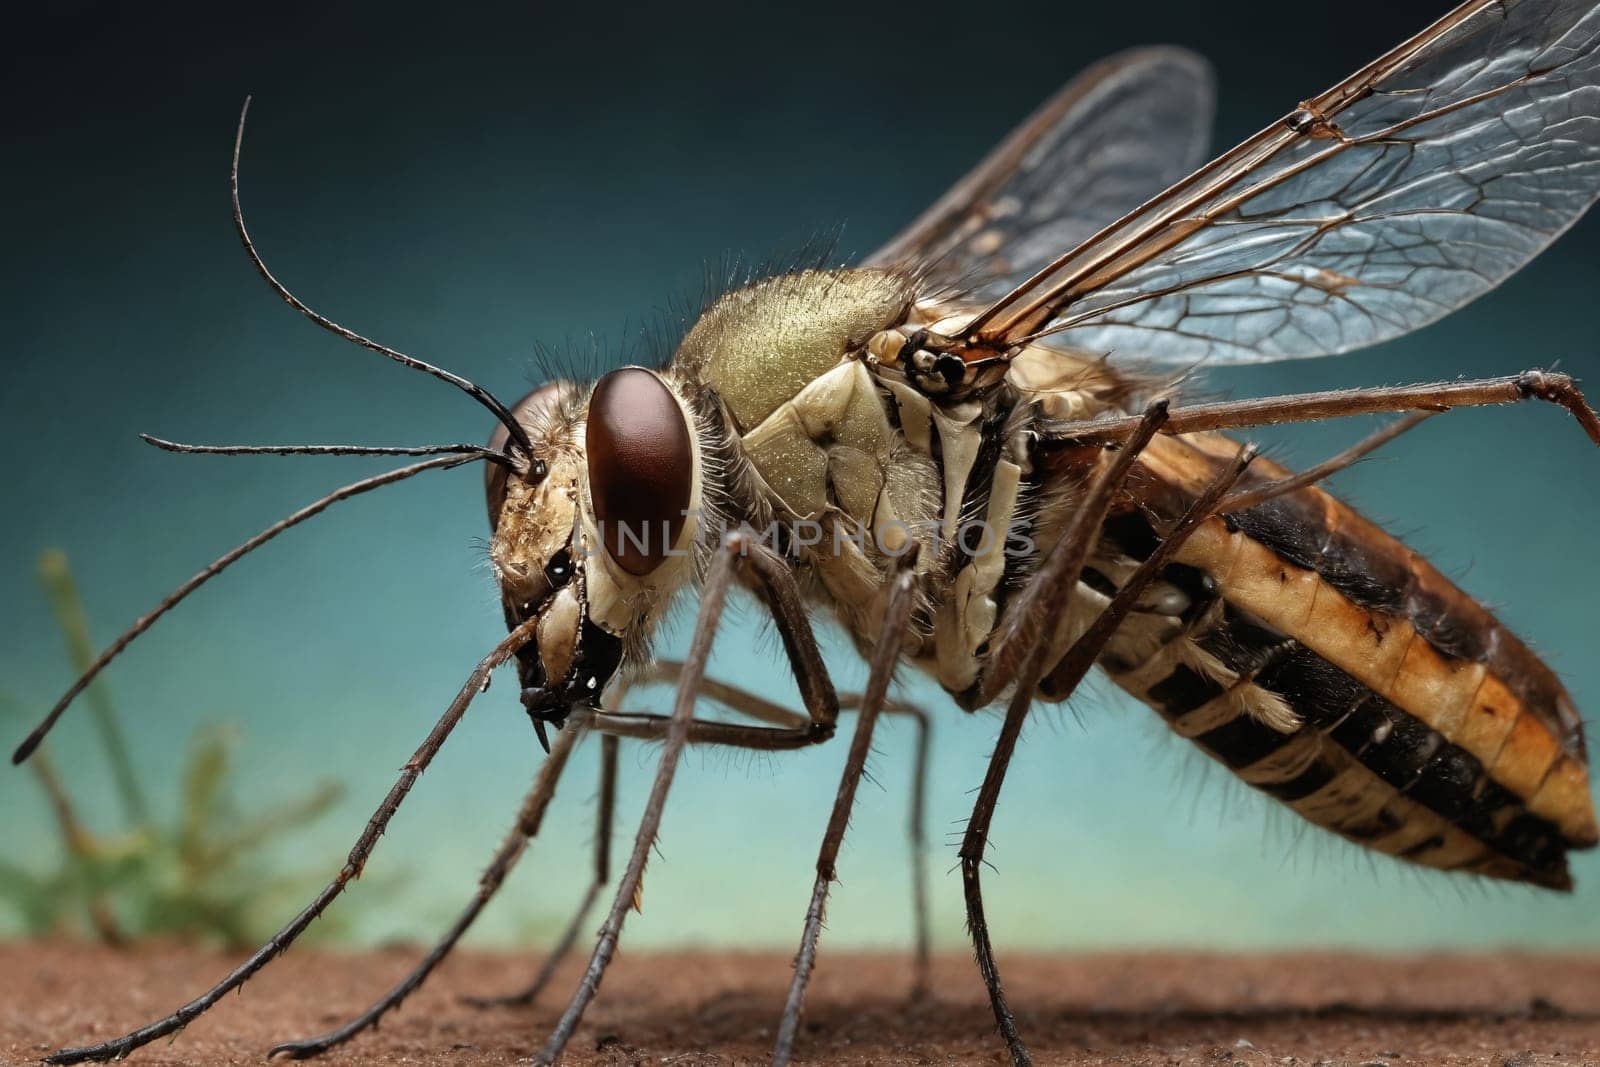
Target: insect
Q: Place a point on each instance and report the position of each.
(965, 449)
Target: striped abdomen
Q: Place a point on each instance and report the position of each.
(1332, 667)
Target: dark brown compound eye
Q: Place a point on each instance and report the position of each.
(641, 467)
(526, 411)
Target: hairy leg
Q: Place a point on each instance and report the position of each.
(1024, 642)
(1074, 664)
(650, 727)
(1023, 625)
(885, 656)
(605, 815)
(917, 838)
(528, 822)
(776, 584)
(1549, 386)
(749, 704)
(1081, 655)
(785, 729)
(529, 817)
(1328, 467)
(119, 1047)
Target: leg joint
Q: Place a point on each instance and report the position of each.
(1545, 385)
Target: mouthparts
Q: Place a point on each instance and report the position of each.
(553, 700)
(545, 704)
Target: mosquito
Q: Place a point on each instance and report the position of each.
(834, 436)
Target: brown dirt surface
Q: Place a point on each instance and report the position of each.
(693, 1008)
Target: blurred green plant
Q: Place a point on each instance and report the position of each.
(198, 877)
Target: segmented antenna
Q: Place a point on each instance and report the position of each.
(479, 451)
(215, 568)
(477, 392)
(1311, 475)
(448, 456)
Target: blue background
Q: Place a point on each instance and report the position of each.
(467, 183)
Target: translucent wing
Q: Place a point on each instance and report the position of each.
(1116, 135)
(1402, 193)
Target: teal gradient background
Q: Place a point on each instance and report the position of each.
(468, 182)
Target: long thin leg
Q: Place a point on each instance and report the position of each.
(746, 703)
(119, 1047)
(775, 583)
(793, 727)
(529, 816)
(1070, 670)
(789, 731)
(712, 600)
(647, 726)
(512, 849)
(885, 655)
(795, 732)
(749, 704)
(1328, 467)
(1016, 638)
(1025, 617)
(1549, 386)
(1081, 654)
(604, 816)
(741, 701)
(916, 838)
(917, 833)
(774, 739)
(782, 738)
(1044, 598)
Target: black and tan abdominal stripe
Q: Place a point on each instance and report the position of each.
(1330, 667)
(1356, 764)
